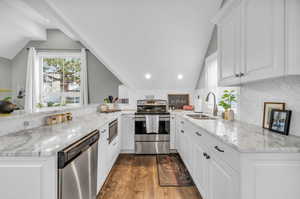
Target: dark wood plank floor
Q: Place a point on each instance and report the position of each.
(135, 177)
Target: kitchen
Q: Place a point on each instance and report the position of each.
(173, 99)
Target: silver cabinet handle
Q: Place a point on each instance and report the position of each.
(182, 131)
(218, 149)
(199, 134)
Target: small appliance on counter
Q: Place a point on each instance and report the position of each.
(152, 127)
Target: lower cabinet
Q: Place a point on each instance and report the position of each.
(103, 157)
(107, 155)
(127, 131)
(223, 181)
(200, 170)
(214, 178)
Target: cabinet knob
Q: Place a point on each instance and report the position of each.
(237, 75)
(218, 149)
(199, 134)
(206, 155)
(242, 74)
(182, 122)
(182, 131)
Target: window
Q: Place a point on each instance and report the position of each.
(211, 70)
(60, 77)
(211, 66)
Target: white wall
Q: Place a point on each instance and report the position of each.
(101, 82)
(5, 76)
(133, 95)
(253, 96)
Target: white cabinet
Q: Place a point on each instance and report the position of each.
(172, 131)
(293, 37)
(28, 178)
(274, 176)
(223, 180)
(214, 178)
(229, 53)
(107, 154)
(258, 39)
(221, 172)
(200, 169)
(262, 39)
(103, 157)
(127, 133)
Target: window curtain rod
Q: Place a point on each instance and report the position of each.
(58, 49)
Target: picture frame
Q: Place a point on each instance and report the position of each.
(280, 121)
(268, 107)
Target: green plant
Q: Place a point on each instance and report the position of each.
(106, 101)
(227, 99)
(7, 99)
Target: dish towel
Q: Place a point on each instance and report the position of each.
(152, 123)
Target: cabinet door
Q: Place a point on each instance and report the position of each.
(263, 39)
(172, 131)
(200, 170)
(127, 132)
(293, 36)
(229, 48)
(103, 155)
(223, 181)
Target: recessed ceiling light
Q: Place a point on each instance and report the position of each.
(148, 76)
(180, 76)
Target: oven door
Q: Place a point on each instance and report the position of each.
(163, 129)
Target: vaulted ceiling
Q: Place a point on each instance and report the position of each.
(134, 37)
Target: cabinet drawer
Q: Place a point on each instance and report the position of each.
(223, 152)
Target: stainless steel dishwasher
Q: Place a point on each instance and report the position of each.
(77, 169)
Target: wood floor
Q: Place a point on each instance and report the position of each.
(135, 177)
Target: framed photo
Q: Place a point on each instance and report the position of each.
(280, 121)
(268, 107)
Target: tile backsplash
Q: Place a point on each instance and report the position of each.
(253, 96)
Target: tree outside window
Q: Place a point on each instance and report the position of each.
(60, 77)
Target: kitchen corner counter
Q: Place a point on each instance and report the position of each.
(46, 141)
(247, 138)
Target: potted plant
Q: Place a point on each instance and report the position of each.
(227, 99)
(6, 106)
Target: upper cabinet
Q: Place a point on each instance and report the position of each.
(258, 39)
(293, 37)
(229, 53)
(262, 39)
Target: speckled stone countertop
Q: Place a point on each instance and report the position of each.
(247, 138)
(48, 140)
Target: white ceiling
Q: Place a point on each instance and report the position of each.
(134, 37)
(19, 24)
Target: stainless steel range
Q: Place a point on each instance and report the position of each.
(152, 127)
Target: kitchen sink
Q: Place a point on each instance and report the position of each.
(200, 117)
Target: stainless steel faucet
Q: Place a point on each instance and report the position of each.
(215, 111)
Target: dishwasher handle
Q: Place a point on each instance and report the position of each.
(68, 154)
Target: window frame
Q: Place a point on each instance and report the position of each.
(41, 55)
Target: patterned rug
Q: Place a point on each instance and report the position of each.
(172, 171)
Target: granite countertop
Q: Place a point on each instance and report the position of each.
(48, 140)
(247, 138)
